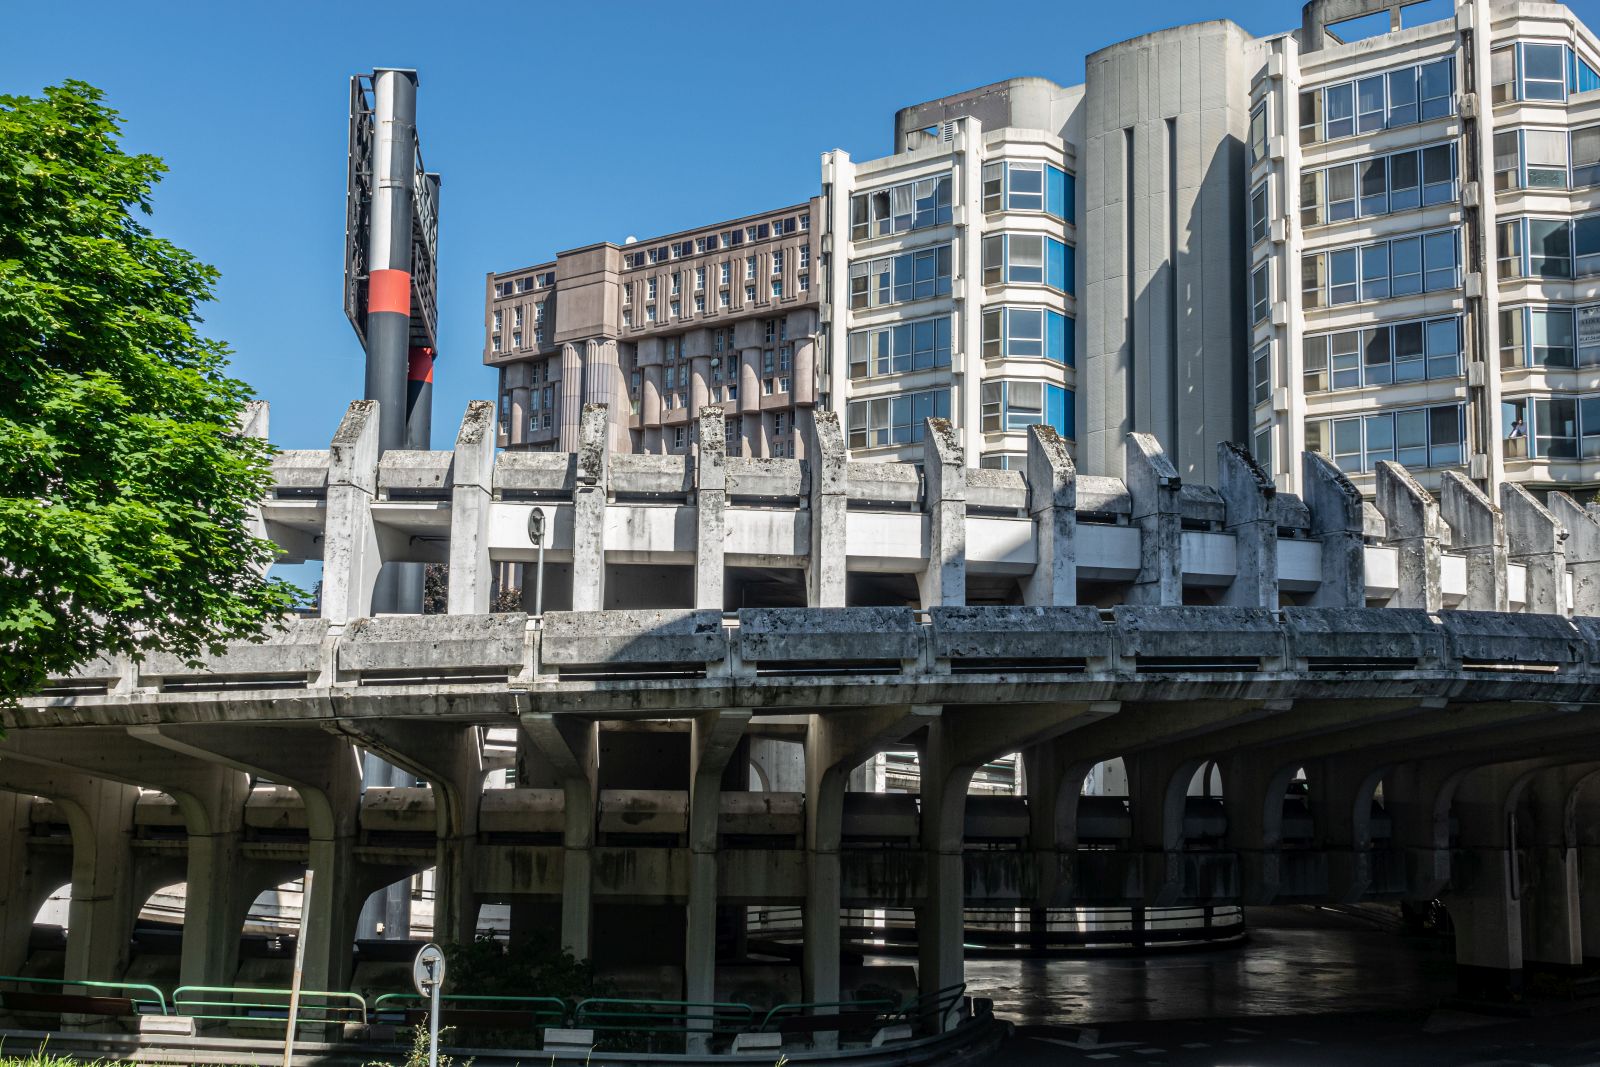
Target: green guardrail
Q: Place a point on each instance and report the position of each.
(123, 989)
(543, 1011)
(840, 1014)
(221, 1004)
(938, 1004)
(606, 1014)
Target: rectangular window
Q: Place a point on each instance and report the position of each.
(1258, 134)
(894, 420)
(1546, 155)
(1544, 75)
(1261, 374)
(900, 208)
(777, 261)
(1027, 259)
(1417, 438)
(902, 347)
(1382, 355)
(1259, 223)
(699, 277)
(1586, 157)
(915, 275)
(1550, 342)
(1314, 364)
(1586, 246)
(1341, 193)
(1549, 248)
(1508, 160)
(1260, 293)
(1379, 101)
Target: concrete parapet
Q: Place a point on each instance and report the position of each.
(1198, 634)
(1535, 539)
(1582, 551)
(435, 643)
(1492, 637)
(1365, 638)
(1478, 532)
(847, 635)
(660, 635)
(1413, 528)
(293, 646)
(1020, 633)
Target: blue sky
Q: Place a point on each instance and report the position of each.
(554, 125)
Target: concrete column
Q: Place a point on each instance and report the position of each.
(750, 384)
(1335, 507)
(1416, 797)
(572, 748)
(1254, 793)
(1342, 791)
(1249, 498)
(517, 431)
(1586, 825)
(804, 432)
(589, 512)
(1153, 488)
(944, 580)
(18, 893)
(805, 370)
(1053, 504)
(1484, 892)
(699, 383)
(1477, 531)
(1536, 540)
(471, 493)
(1158, 790)
(351, 556)
(827, 563)
(1583, 551)
(711, 501)
(570, 390)
(650, 398)
(1552, 918)
(714, 737)
(1414, 532)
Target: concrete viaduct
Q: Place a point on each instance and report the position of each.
(1429, 667)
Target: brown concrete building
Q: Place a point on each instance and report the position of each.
(723, 314)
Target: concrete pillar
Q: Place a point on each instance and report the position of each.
(1053, 505)
(589, 512)
(829, 468)
(1342, 791)
(1552, 926)
(1417, 800)
(471, 493)
(1477, 531)
(517, 430)
(1158, 789)
(1412, 518)
(711, 502)
(1484, 898)
(570, 389)
(1153, 488)
(1335, 507)
(18, 903)
(750, 386)
(1536, 540)
(944, 580)
(699, 383)
(351, 557)
(1583, 551)
(1586, 826)
(714, 736)
(805, 370)
(1249, 500)
(1254, 793)
(650, 401)
(572, 749)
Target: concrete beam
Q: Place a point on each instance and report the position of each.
(471, 494)
(1248, 495)
(589, 499)
(711, 502)
(830, 473)
(1414, 531)
(944, 580)
(1477, 531)
(1335, 506)
(1053, 505)
(351, 554)
(1153, 488)
(1537, 541)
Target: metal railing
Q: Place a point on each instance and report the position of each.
(473, 1011)
(86, 1003)
(221, 1004)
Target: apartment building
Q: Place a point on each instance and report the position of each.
(724, 314)
(1424, 232)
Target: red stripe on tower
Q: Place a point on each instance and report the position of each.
(421, 365)
(389, 290)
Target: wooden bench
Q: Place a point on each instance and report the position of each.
(66, 1004)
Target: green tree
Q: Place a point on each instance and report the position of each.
(125, 482)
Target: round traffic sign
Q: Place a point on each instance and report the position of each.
(427, 970)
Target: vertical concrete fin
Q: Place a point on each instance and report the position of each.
(1412, 519)
(830, 473)
(711, 500)
(944, 580)
(589, 511)
(351, 558)
(253, 420)
(1478, 532)
(1153, 488)
(471, 491)
(1248, 496)
(1053, 503)
(1537, 541)
(1336, 521)
(1583, 551)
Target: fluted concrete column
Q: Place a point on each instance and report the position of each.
(711, 501)
(351, 558)
(1583, 551)
(569, 414)
(1153, 487)
(1536, 540)
(1052, 503)
(805, 370)
(944, 580)
(829, 468)
(471, 494)
(1413, 530)
(517, 430)
(699, 383)
(713, 738)
(589, 512)
(1249, 499)
(1477, 531)
(572, 749)
(750, 384)
(1335, 507)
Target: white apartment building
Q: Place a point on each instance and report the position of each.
(1424, 231)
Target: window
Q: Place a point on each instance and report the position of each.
(805, 257)
(1261, 374)
(1028, 186)
(677, 282)
(1544, 74)
(1416, 438)
(725, 273)
(777, 261)
(1550, 337)
(679, 437)
(895, 420)
(650, 313)
(749, 294)
(1027, 333)
(770, 326)
(912, 205)
(699, 278)
(494, 344)
(723, 299)
(1009, 406)
(1260, 294)
(1380, 186)
(915, 275)
(1258, 134)
(627, 316)
(1403, 266)
(516, 316)
(804, 283)
(627, 292)
(516, 338)
(1549, 248)
(749, 267)
(777, 288)
(1546, 154)
(905, 346)
(498, 318)
(1262, 448)
(1585, 151)
(1375, 102)
(650, 289)
(699, 304)
(1027, 259)
(675, 309)
(1258, 214)
(1382, 355)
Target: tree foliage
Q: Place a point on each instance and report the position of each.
(125, 482)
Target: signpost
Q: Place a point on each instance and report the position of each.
(427, 971)
(536, 535)
(299, 971)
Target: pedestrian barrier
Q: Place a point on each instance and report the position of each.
(134, 998)
(221, 1004)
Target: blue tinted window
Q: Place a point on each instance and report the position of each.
(1055, 338)
(1058, 409)
(1058, 269)
(1058, 187)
